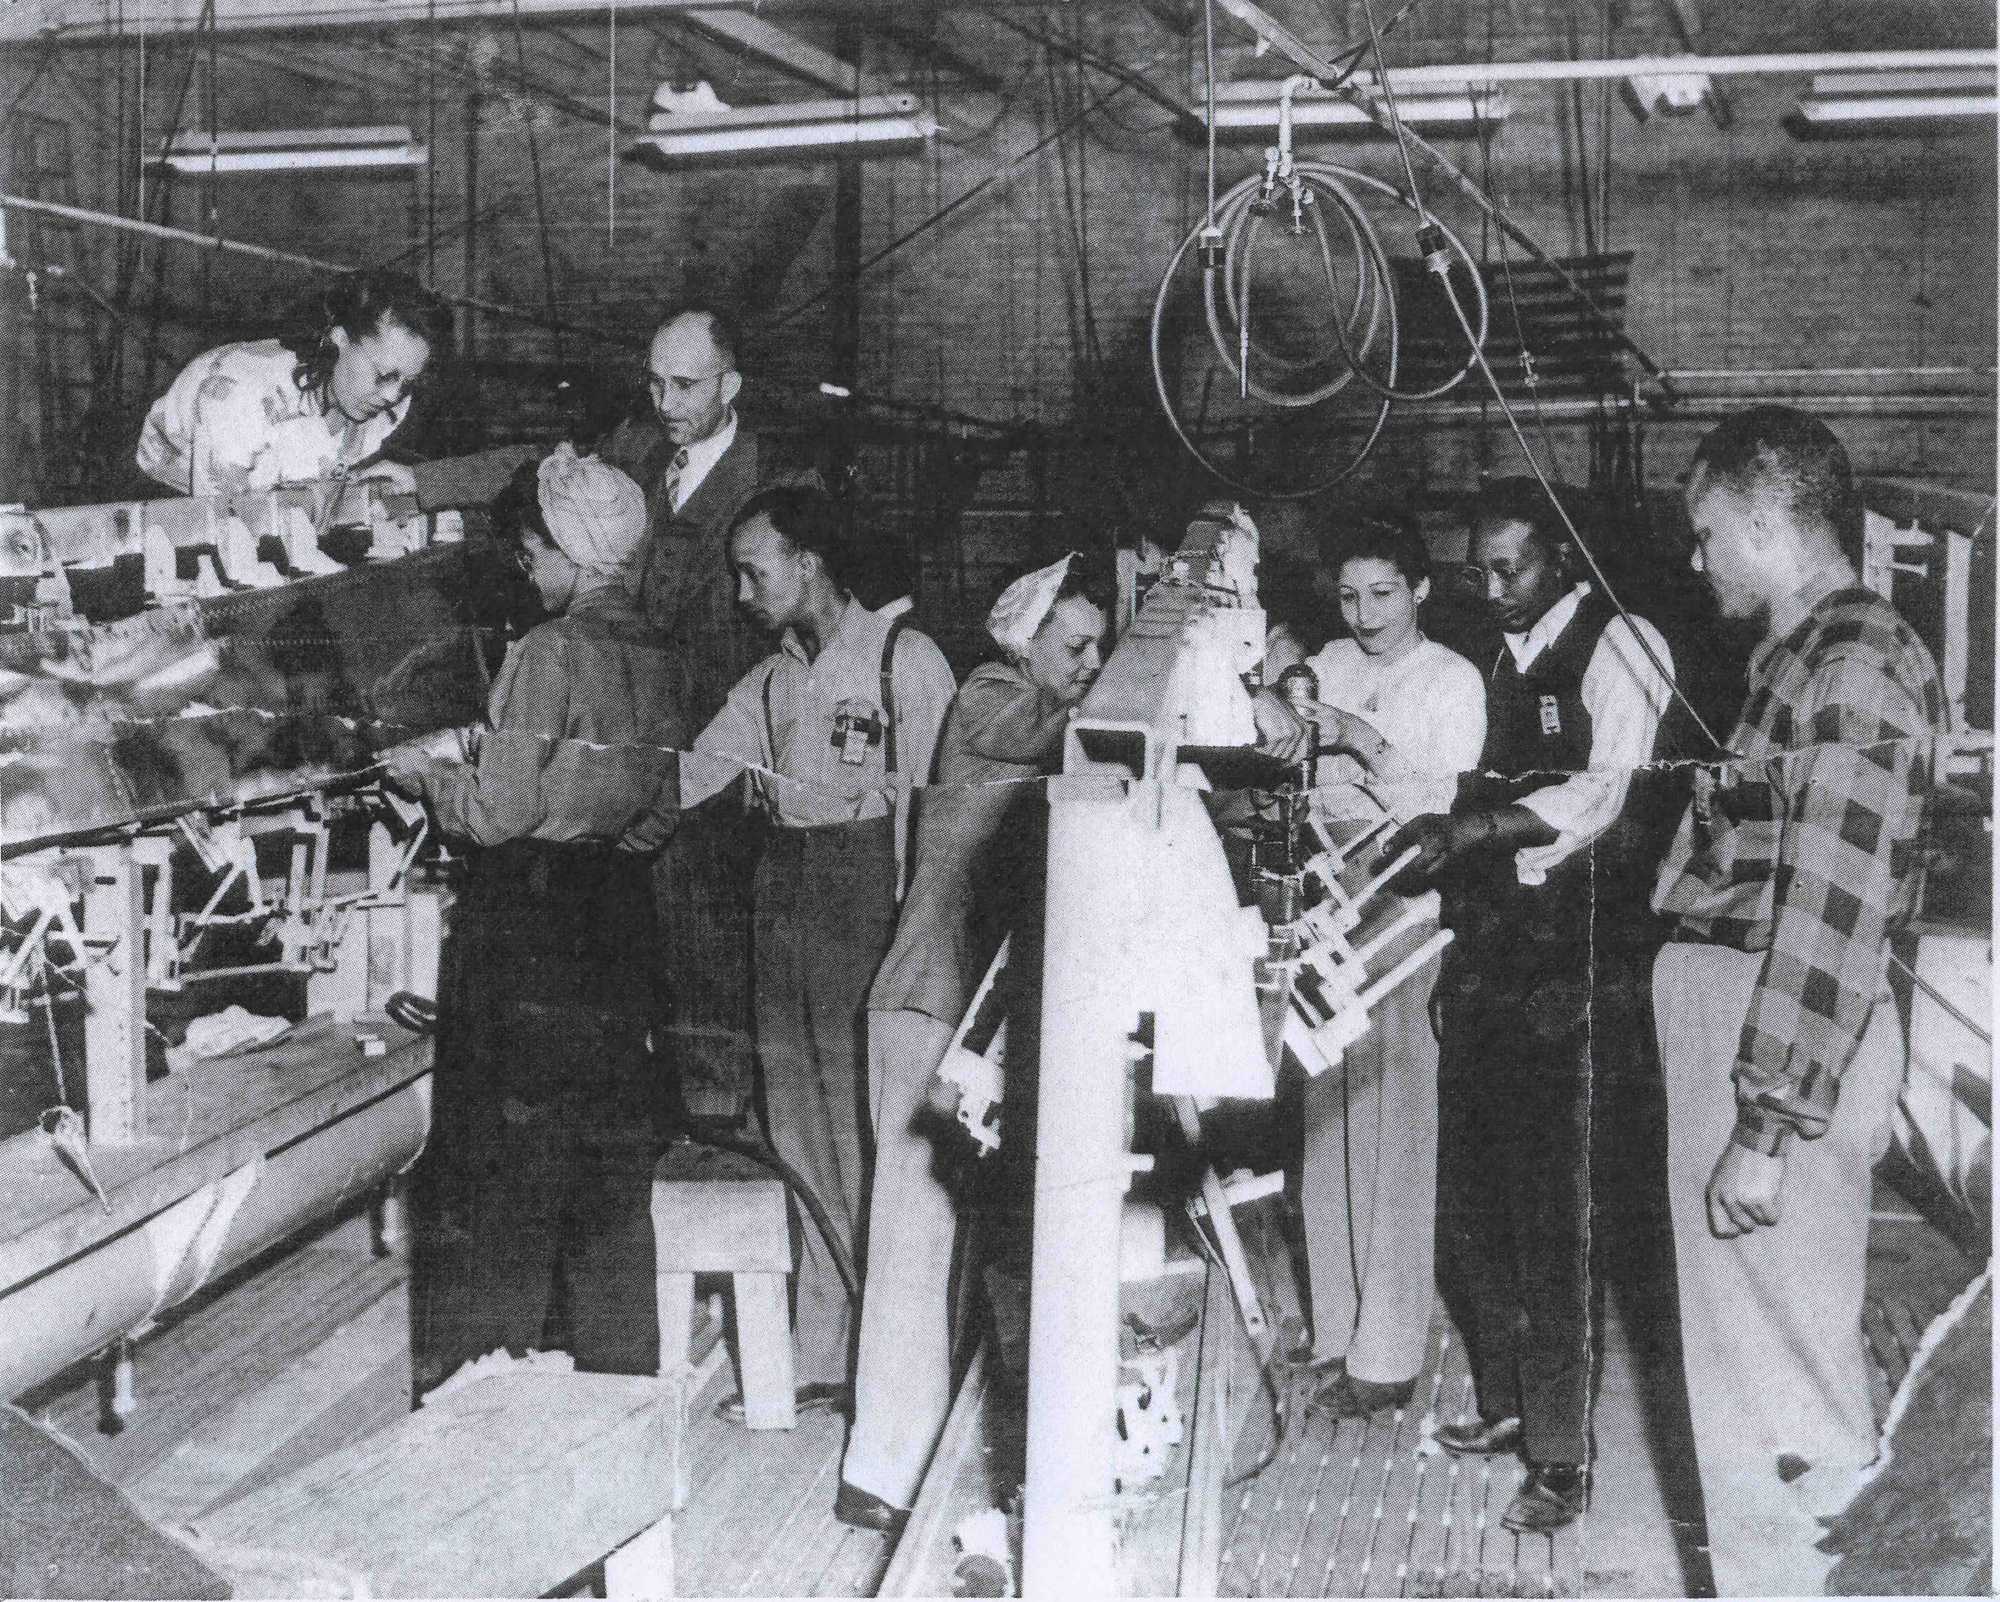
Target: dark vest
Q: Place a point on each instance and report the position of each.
(1537, 729)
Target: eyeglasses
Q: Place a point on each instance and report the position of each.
(521, 559)
(681, 384)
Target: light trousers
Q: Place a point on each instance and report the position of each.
(825, 914)
(1777, 1371)
(1368, 1189)
(902, 1375)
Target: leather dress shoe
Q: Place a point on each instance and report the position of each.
(1553, 1494)
(1481, 1437)
(822, 1396)
(864, 1510)
(1344, 1396)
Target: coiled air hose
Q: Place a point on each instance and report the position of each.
(1239, 217)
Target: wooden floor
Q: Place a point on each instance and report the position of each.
(1371, 1507)
(760, 1519)
(308, 1351)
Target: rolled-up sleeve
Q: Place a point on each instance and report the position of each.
(1626, 696)
(736, 738)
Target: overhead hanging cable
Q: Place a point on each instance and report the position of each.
(1476, 342)
(611, 134)
(950, 208)
(535, 163)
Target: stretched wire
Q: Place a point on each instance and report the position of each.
(1265, 1359)
(541, 209)
(949, 209)
(1944, 1001)
(1395, 116)
(1589, 556)
(1208, 81)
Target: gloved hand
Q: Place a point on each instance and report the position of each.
(1440, 840)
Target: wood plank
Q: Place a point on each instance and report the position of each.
(206, 1122)
(213, 1460)
(716, 1212)
(1209, 1431)
(114, 1052)
(953, 1488)
(455, 1501)
(374, 1402)
(241, 1335)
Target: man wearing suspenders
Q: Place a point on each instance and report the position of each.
(837, 725)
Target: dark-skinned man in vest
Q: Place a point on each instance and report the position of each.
(1545, 860)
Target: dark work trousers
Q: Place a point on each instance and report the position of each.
(534, 1195)
(826, 914)
(700, 885)
(1551, 1171)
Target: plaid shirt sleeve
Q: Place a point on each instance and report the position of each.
(1852, 803)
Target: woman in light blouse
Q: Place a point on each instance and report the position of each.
(319, 401)
(1404, 716)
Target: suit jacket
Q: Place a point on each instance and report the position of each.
(684, 580)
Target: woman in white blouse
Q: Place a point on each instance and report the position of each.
(1405, 716)
(312, 405)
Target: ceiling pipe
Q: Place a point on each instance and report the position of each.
(1402, 79)
(96, 20)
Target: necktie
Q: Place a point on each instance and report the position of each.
(673, 479)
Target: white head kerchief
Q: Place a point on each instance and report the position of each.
(1024, 604)
(596, 515)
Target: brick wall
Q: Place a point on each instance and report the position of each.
(1751, 250)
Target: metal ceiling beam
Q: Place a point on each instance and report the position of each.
(83, 20)
(752, 33)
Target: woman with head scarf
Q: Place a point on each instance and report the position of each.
(976, 879)
(542, 1147)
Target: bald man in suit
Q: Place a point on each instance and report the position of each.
(698, 466)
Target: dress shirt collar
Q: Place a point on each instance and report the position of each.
(702, 455)
(1526, 647)
(851, 613)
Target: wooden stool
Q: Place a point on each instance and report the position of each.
(717, 1213)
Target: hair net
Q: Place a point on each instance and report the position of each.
(596, 515)
(1024, 604)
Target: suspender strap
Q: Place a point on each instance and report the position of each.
(889, 691)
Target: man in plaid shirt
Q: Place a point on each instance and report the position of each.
(1796, 862)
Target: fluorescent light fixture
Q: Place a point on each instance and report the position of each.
(874, 124)
(1909, 100)
(1321, 114)
(295, 150)
(1933, 80)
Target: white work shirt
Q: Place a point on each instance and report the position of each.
(1430, 704)
(1626, 697)
(702, 456)
(234, 420)
(821, 753)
